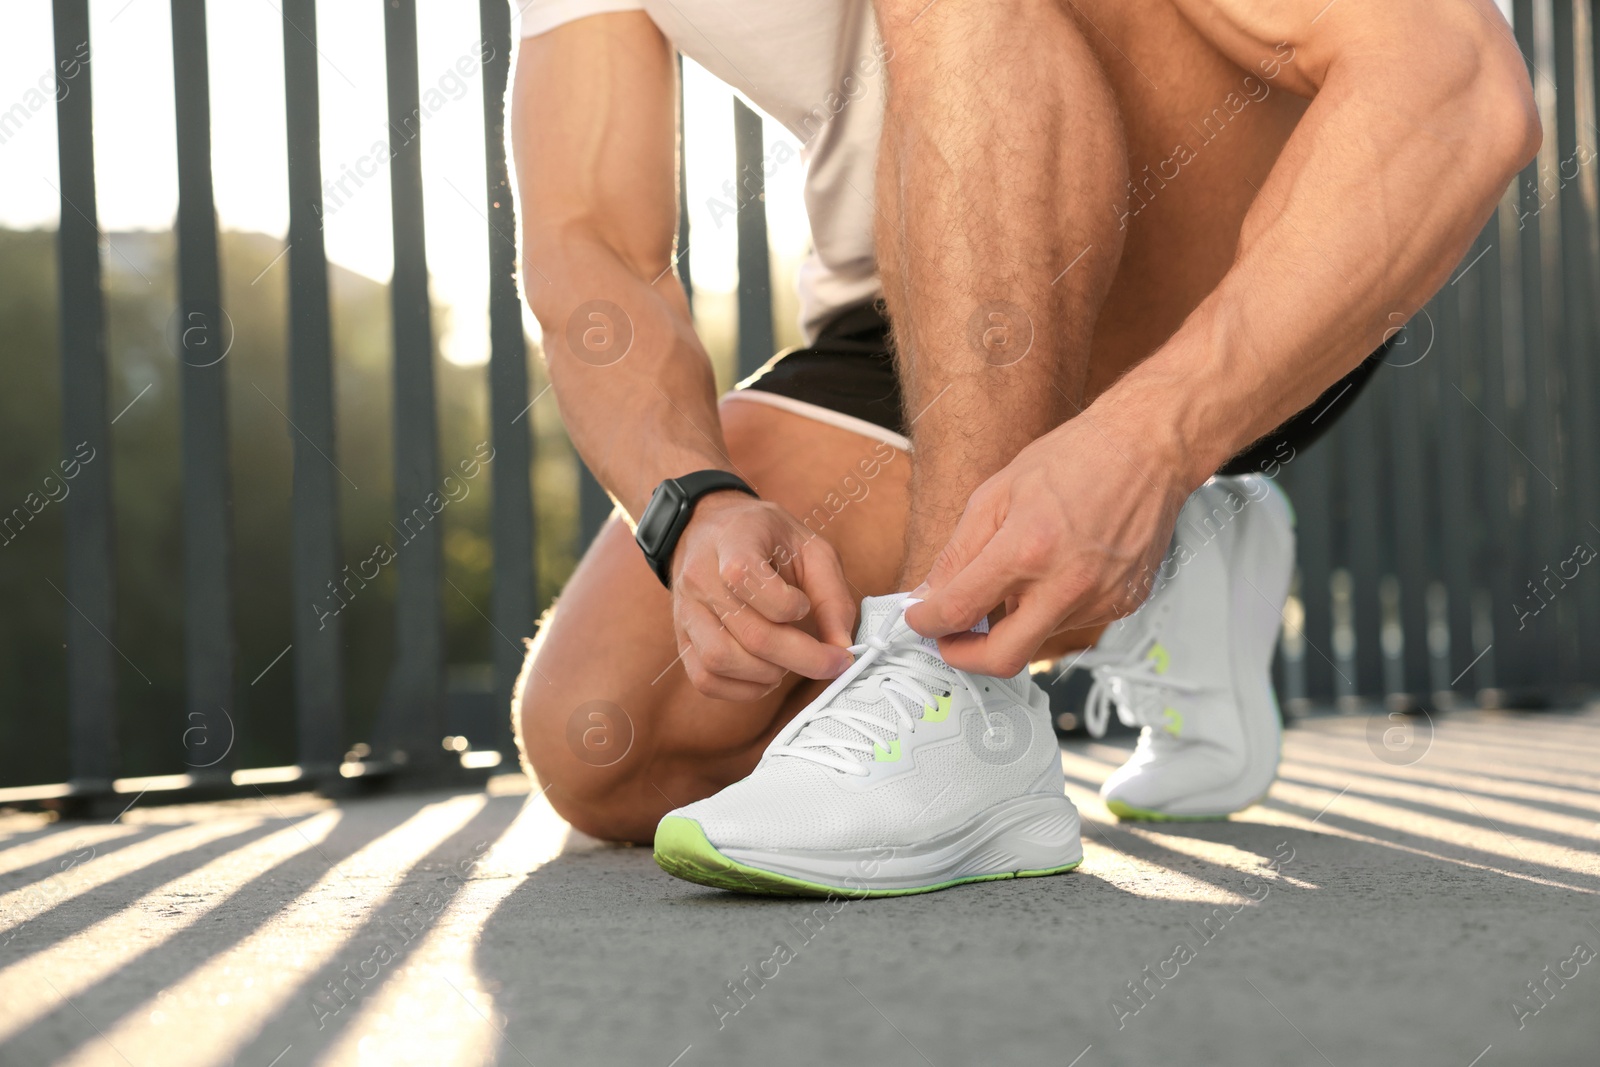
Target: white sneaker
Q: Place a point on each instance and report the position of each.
(1192, 668)
(905, 775)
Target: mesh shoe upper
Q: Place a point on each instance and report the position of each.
(902, 747)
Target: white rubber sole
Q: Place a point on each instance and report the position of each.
(1034, 833)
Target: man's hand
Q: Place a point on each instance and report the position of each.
(1068, 535)
(745, 573)
(1392, 170)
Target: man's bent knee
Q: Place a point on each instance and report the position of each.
(600, 798)
(583, 755)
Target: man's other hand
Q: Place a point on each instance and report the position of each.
(1069, 534)
(752, 592)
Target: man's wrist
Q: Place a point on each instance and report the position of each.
(1150, 434)
(1173, 413)
(675, 463)
(719, 500)
(709, 505)
(672, 509)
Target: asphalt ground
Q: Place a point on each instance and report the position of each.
(1411, 892)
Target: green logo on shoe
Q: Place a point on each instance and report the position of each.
(939, 712)
(1174, 721)
(889, 755)
(1158, 657)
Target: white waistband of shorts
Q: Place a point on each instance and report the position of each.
(824, 415)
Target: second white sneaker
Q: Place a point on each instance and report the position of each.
(1192, 668)
(904, 776)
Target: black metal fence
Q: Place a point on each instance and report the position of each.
(410, 726)
(1447, 523)
(1439, 523)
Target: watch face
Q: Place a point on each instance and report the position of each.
(655, 525)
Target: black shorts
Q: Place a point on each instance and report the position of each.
(849, 373)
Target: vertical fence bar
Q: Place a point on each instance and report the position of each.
(1483, 325)
(755, 263)
(1591, 65)
(1480, 324)
(1362, 491)
(1577, 280)
(1505, 474)
(1537, 432)
(412, 717)
(318, 629)
(510, 415)
(1458, 524)
(1310, 490)
(1563, 340)
(1412, 533)
(204, 334)
(85, 432)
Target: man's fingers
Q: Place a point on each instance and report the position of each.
(782, 646)
(968, 596)
(833, 604)
(719, 688)
(961, 587)
(720, 653)
(785, 644)
(761, 586)
(787, 647)
(1007, 648)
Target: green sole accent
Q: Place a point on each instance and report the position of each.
(682, 850)
(1129, 813)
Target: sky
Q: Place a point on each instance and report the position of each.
(136, 148)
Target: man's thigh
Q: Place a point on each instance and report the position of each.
(1202, 133)
(608, 720)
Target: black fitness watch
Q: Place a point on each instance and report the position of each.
(669, 510)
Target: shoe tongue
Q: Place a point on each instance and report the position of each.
(877, 610)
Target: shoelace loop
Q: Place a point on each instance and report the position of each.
(906, 684)
(1136, 690)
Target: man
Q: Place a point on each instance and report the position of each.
(1123, 246)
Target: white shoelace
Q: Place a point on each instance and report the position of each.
(906, 683)
(1135, 690)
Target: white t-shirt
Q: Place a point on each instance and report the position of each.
(817, 67)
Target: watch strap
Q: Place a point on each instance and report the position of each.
(698, 484)
(689, 489)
